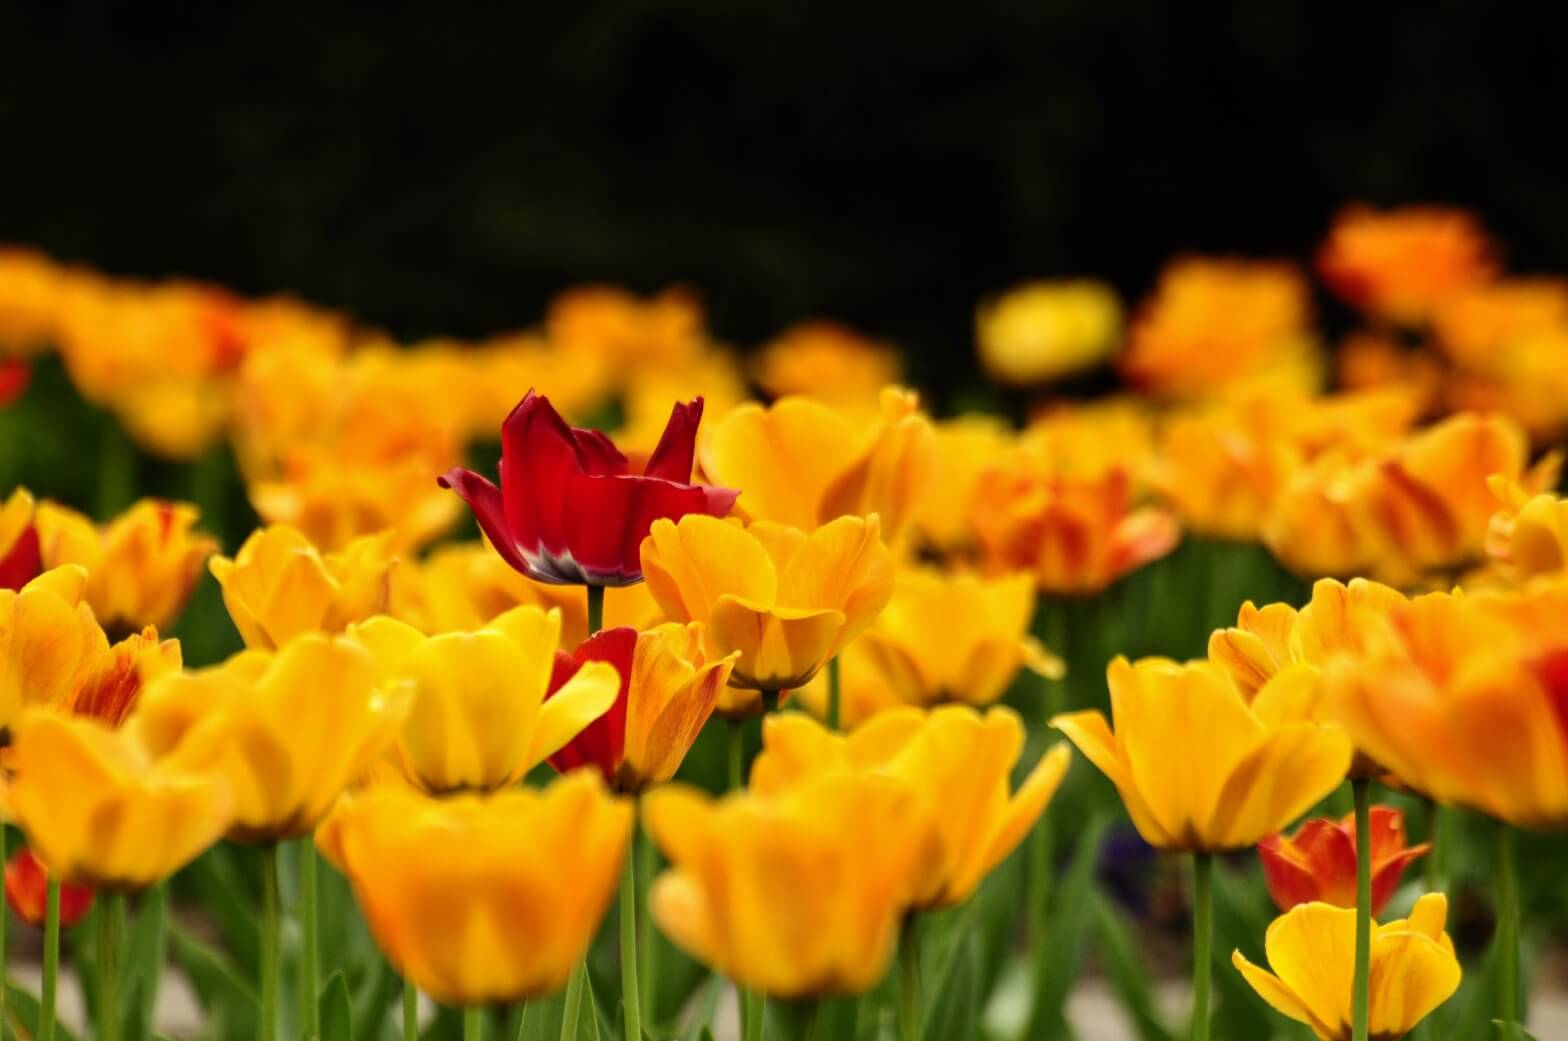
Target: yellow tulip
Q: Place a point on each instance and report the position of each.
(102, 808)
(1043, 331)
(958, 759)
(112, 690)
(961, 451)
(1199, 766)
(290, 730)
(479, 719)
(482, 900)
(49, 642)
(802, 463)
(334, 501)
(794, 896)
(1311, 949)
(1528, 536)
(279, 585)
(141, 566)
(1085, 440)
(787, 601)
(32, 294)
(829, 362)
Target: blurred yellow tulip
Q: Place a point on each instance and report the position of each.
(798, 895)
(141, 566)
(960, 760)
(1043, 331)
(962, 450)
(482, 900)
(334, 501)
(1311, 950)
(279, 585)
(49, 642)
(290, 730)
(829, 362)
(1202, 768)
(787, 601)
(103, 808)
(112, 690)
(1528, 536)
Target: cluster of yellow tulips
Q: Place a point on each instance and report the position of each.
(862, 578)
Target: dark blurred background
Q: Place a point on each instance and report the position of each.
(444, 171)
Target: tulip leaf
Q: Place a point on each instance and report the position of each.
(336, 1015)
(1512, 1031)
(957, 1007)
(224, 992)
(1242, 913)
(1057, 969)
(703, 1008)
(146, 951)
(225, 896)
(22, 1008)
(372, 999)
(1128, 974)
(541, 1019)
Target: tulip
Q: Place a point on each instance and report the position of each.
(960, 760)
(569, 510)
(668, 689)
(32, 292)
(795, 896)
(290, 730)
(333, 501)
(279, 585)
(482, 900)
(20, 562)
(15, 375)
(141, 566)
(1081, 440)
(787, 601)
(26, 888)
(107, 808)
(1528, 536)
(803, 464)
(1318, 863)
(829, 362)
(50, 643)
(628, 335)
(1043, 331)
(1401, 265)
(113, 689)
(962, 450)
(1413, 968)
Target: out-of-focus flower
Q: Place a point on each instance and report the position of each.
(110, 692)
(479, 718)
(279, 585)
(1213, 326)
(20, 561)
(798, 895)
(960, 760)
(445, 883)
(289, 730)
(940, 639)
(1413, 968)
(1318, 863)
(1401, 265)
(787, 601)
(568, 509)
(668, 689)
(580, 383)
(803, 464)
(1528, 536)
(1043, 331)
(1529, 384)
(49, 642)
(15, 374)
(141, 566)
(1201, 767)
(104, 808)
(32, 290)
(1373, 361)
(961, 451)
(27, 891)
(1075, 535)
(627, 334)
(1088, 439)
(829, 362)
(1477, 326)
(333, 503)
(715, 375)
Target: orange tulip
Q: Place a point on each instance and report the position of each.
(1401, 265)
(1318, 863)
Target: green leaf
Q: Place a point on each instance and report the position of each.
(541, 1019)
(224, 992)
(372, 999)
(703, 1009)
(23, 1006)
(336, 1017)
(1057, 969)
(956, 1009)
(226, 897)
(1128, 974)
(1512, 1032)
(146, 950)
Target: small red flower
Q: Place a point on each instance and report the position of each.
(20, 562)
(14, 377)
(602, 743)
(569, 510)
(27, 891)
(1319, 862)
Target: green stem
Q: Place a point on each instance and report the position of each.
(1433, 878)
(630, 998)
(737, 756)
(154, 907)
(595, 609)
(46, 1000)
(473, 1023)
(910, 1011)
(270, 948)
(751, 1015)
(1202, 942)
(410, 1011)
(647, 963)
(835, 692)
(574, 999)
(117, 465)
(1507, 872)
(1361, 988)
(810, 1017)
(310, 960)
(110, 913)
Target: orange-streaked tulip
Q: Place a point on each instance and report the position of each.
(798, 895)
(20, 561)
(668, 689)
(1311, 950)
(279, 585)
(787, 601)
(1201, 767)
(1043, 331)
(1086, 440)
(1528, 536)
(27, 891)
(49, 642)
(963, 449)
(1479, 326)
(1401, 265)
(804, 464)
(483, 900)
(106, 808)
(1318, 863)
(960, 760)
(141, 566)
(111, 691)
(479, 718)
(829, 362)
(290, 730)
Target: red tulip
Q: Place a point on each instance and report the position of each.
(1319, 862)
(569, 509)
(27, 891)
(14, 377)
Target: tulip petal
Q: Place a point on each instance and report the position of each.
(1294, 767)
(584, 698)
(539, 457)
(1410, 976)
(673, 456)
(485, 500)
(842, 565)
(784, 456)
(779, 649)
(1091, 734)
(1312, 951)
(1271, 990)
(689, 566)
(1023, 812)
(612, 514)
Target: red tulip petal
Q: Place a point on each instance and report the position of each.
(1388, 832)
(613, 515)
(539, 455)
(1289, 883)
(1332, 860)
(22, 563)
(484, 499)
(1385, 876)
(598, 453)
(15, 374)
(602, 743)
(672, 458)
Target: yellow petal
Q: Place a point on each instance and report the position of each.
(1312, 949)
(689, 566)
(1279, 997)
(779, 649)
(784, 457)
(581, 700)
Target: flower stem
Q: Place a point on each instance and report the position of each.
(1361, 987)
(410, 1011)
(630, 998)
(51, 962)
(310, 924)
(750, 1003)
(751, 1014)
(270, 947)
(595, 609)
(473, 1023)
(737, 757)
(647, 962)
(1506, 870)
(910, 1025)
(809, 1020)
(1434, 881)
(574, 999)
(835, 692)
(110, 913)
(1202, 942)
